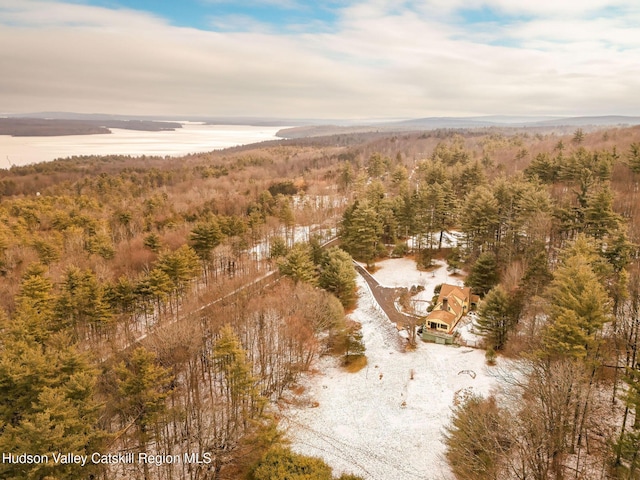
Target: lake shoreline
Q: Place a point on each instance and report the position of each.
(190, 138)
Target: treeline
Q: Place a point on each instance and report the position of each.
(506, 215)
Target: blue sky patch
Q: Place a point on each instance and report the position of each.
(210, 14)
(487, 15)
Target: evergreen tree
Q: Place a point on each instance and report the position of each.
(454, 260)
(152, 242)
(48, 252)
(481, 220)
(121, 295)
(240, 406)
(204, 237)
(496, 317)
(338, 276)
(142, 389)
(81, 304)
(542, 167)
(628, 445)
(180, 266)
(377, 166)
(600, 220)
(36, 292)
(484, 274)
(578, 308)
(280, 463)
(362, 231)
(537, 275)
(298, 264)
(633, 157)
(47, 400)
(277, 248)
(346, 176)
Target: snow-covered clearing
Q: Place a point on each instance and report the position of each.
(380, 422)
(402, 272)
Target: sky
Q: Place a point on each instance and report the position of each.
(334, 59)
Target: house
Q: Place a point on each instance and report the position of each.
(453, 303)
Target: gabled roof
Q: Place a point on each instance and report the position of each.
(456, 298)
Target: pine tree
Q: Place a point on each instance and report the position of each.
(633, 157)
(362, 231)
(298, 265)
(628, 445)
(280, 463)
(496, 317)
(204, 237)
(47, 400)
(82, 305)
(578, 308)
(600, 220)
(484, 274)
(537, 275)
(338, 276)
(181, 266)
(152, 242)
(480, 221)
(241, 407)
(278, 248)
(142, 389)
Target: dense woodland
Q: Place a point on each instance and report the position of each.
(166, 305)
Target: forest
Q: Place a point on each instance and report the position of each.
(164, 306)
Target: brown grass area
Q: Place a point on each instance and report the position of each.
(354, 364)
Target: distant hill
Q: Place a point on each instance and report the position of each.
(607, 120)
(47, 127)
(434, 123)
(517, 121)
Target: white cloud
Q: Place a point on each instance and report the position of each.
(382, 58)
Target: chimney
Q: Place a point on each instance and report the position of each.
(445, 304)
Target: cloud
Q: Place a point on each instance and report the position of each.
(380, 58)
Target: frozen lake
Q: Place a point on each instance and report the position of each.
(191, 138)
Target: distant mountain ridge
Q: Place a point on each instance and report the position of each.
(516, 121)
(435, 123)
(308, 127)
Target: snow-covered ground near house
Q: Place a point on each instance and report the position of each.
(450, 239)
(386, 421)
(402, 272)
(468, 330)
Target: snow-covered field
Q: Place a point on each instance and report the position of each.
(386, 421)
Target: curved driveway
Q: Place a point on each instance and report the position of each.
(386, 298)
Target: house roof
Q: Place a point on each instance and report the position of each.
(459, 292)
(441, 315)
(456, 298)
